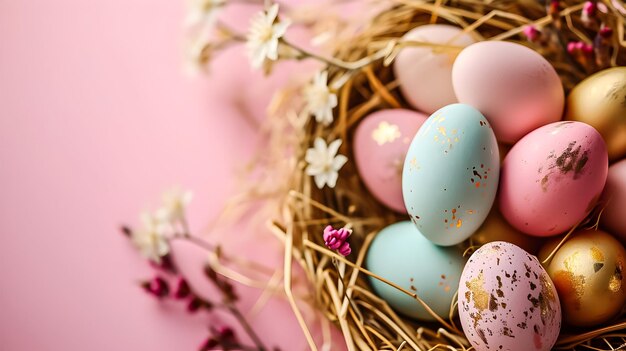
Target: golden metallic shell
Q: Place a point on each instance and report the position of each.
(496, 228)
(588, 273)
(600, 101)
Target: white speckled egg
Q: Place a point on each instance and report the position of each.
(425, 73)
(507, 301)
(450, 174)
(400, 254)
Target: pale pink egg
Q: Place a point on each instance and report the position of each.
(614, 215)
(507, 301)
(380, 144)
(425, 73)
(512, 85)
(552, 178)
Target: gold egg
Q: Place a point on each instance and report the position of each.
(588, 273)
(600, 101)
(496, 228)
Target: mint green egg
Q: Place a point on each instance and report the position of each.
(451, 173)
(402, 255)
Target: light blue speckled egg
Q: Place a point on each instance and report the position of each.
(450, 174)
(400, 254)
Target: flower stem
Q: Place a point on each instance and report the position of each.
(246, 326)
(349, 66)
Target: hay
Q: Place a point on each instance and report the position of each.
(364, 83)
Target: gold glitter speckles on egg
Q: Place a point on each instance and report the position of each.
(615, 283)
(445, 138)
(476, 287)
(386, 133)
(454, 221)
(444, 283)
(413, 166)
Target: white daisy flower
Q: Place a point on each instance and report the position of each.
(151, 239)
(174, 204)
(263, 35)
(324, 163)
(319, 99)
(203, 13)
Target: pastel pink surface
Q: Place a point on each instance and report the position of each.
(380, 145)
(512, 85)
(614, 215)
(552, 178)
(96, 119)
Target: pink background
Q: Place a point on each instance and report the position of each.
(96, 119)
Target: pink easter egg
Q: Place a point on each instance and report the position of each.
(614, 215)
(381, 142)
(513, 86)
(507, 301)
(552, 178)
(425, 72)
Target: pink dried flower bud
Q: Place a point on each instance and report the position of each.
(210, 344)
(587, 49)
(344, 249)
(553, 8)
(336, 239)
(194, 305)
(157, 287)
(605, 32)
(226, 333)
(182, 289)
(589, 8)
(571, 47)
(531, 32)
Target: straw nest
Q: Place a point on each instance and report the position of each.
(340, 288)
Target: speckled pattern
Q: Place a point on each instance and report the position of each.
(507, 301)
(450, 174)
(553, 177)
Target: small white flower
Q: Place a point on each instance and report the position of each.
(263, 36)
(151, 239)
(203, 13)
(324, 163)
(319, 99)
(174, 204)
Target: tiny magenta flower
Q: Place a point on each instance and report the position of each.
(182, 289)
(579, 47)
(336, 239)
(531, 32)
(157, 287)
(194, 305)
(226, 332)
(210, 344)
(605, 32)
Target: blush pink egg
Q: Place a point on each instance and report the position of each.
(552, 178)
(614, 215)
(507, 301)
(425, 73)
(512, 85)
(380, 145)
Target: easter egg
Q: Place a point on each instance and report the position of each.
(588, 273)
(496, 228)
(613, 217)
(425, 72)
(400, 254)
(600, 101)
(450, 174)
(552, 178)
(513, 86)
(507, 301)
(380, 144)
